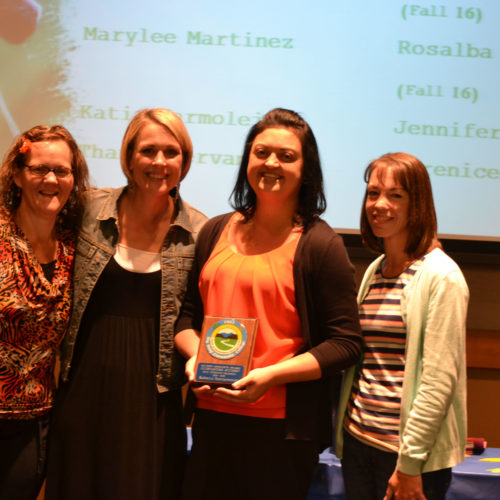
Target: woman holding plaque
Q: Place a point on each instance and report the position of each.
(402, 417)
(273, 259)
(118, 426)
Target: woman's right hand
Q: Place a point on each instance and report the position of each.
(189, 369)
(204, 389)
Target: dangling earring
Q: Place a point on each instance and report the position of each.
(70, 204)
(15, 198)
(130, 183)
(174, 192)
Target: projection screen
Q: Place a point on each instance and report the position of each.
(369, 77)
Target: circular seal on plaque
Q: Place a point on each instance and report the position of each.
(225, 339)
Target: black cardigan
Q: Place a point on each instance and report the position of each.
(326, 303)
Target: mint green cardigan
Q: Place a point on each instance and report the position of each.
(433, 426)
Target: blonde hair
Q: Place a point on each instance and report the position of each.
(171, 122)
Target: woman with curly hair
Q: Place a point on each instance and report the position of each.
(42, 182)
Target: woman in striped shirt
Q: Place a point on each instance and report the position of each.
(402, 418)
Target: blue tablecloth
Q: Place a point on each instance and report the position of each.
(476, 478)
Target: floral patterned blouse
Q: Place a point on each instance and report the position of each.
(34, 314)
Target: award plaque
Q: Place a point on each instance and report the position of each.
(225, 351)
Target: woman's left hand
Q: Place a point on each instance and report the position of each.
(258, 381)
(404, 487)
(248, 389)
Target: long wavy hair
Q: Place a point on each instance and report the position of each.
(15, 159)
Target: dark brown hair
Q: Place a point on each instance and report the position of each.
(312, 200)
(410, 173)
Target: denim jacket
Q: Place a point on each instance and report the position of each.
(96, 246)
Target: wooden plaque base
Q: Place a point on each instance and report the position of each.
(225, 351)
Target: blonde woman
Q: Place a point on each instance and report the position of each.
(118, 426)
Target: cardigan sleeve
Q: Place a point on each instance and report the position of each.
(192, 313)
(330, 292)
(441, 309)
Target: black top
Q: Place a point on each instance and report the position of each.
(48, 270)
(326, 303)
(113, 435)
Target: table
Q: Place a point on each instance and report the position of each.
(476, 478)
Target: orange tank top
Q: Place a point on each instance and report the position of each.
(255, 286)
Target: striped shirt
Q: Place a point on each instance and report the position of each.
(373, 411)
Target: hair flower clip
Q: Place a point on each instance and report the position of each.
(25, 146)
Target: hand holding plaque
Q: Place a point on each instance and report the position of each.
(225, 350)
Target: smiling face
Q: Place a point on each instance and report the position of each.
(47, 195)
(156, 161)
(386, 206)
(275, 164)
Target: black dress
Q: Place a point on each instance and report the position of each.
(113, 435)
